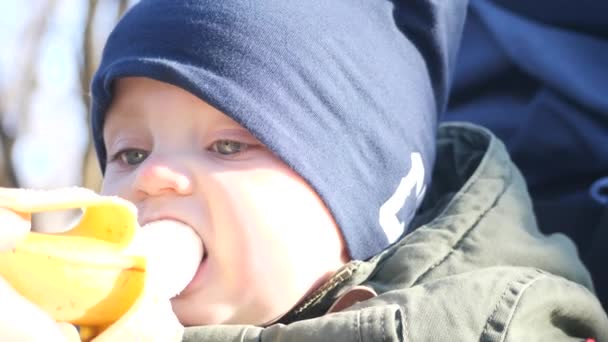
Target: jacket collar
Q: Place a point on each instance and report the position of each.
(465, 154)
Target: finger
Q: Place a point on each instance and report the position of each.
(13, 227)
(20, 320)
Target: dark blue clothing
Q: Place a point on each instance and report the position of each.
(536, 73)
(346, 92)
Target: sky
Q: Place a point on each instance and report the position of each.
(49, 153)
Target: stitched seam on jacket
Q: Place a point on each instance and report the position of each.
(370, 323)
(244, 334)
(357, 326)
(524, 284)
(406, 328)
(508, 181)
(382, 323)
(458, 243)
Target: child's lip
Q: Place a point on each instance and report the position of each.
(197, 279)
(145, 220)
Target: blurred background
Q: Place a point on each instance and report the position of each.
(49, 51)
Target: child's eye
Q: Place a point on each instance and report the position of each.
(132, 156)
(228, 147)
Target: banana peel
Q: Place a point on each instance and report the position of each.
(83, 275)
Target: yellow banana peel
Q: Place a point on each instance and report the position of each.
(83, 275)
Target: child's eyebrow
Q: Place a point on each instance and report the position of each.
(119, 120)
(235, 133)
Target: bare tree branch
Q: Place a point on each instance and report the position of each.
(122, 7)
(8, 178)
(25, 87)
(91, 177)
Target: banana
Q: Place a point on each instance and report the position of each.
(83, 275)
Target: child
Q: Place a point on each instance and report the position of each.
(299, 140)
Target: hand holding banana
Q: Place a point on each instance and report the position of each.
(104, 274)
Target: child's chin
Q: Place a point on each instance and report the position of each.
(191, 314)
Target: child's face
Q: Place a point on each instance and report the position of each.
(268, 237)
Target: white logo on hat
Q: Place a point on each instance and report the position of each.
(388, 211)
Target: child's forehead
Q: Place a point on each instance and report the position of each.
(138, 100)
(137, 97)
(124, 107)
(128, 86)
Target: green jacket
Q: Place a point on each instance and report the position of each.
(476, 268)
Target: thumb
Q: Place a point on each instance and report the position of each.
(13, 227)
(21, 320)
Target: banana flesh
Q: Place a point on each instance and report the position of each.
(83, 275)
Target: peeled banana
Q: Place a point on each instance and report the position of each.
(84, 275)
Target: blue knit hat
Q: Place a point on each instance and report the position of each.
(346, 92)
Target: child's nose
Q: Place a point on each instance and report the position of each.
(155, 179)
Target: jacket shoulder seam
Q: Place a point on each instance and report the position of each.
(456, 245)
(507, 178)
